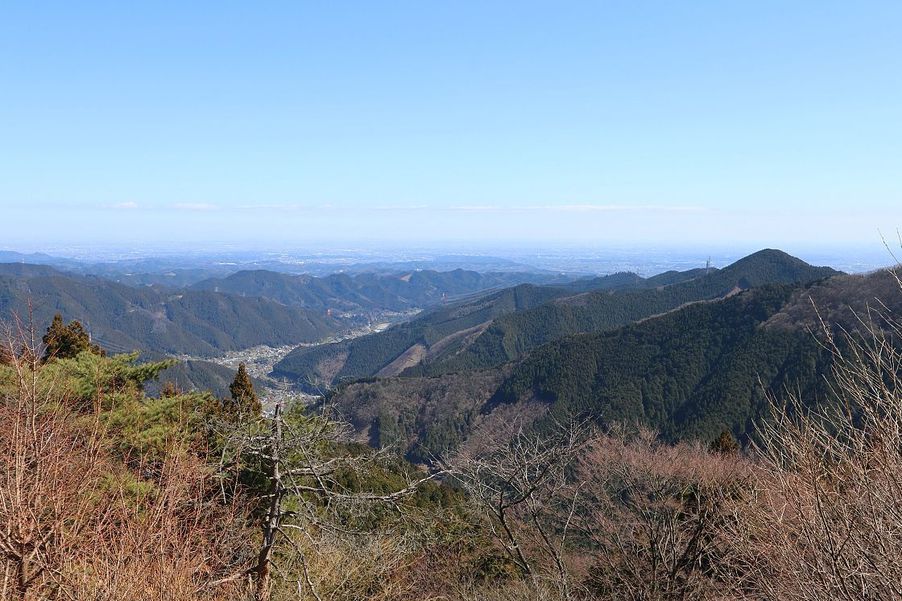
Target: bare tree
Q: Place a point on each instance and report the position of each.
(525, 492)
(45, 466)
(304, 464)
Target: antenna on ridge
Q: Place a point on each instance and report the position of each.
(708, 266)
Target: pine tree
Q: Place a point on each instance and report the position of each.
(62, 343)
(66, 341)
(170, 389)
(55, 334)
(725, 444)
(244, 398)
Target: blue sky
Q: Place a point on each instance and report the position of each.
(761, 123)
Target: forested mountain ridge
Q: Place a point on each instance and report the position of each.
(486, 330)
(28, 270)
(495, 330)
(689, 373)
(693, 372)
(323, 365)
(122, 318)
(656, 372)
(513, 335)
(246, 309)
(368, 291)
(436, 331)
(249, 308)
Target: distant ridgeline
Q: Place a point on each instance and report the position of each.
(162, 321)
(690, 372)
(242, 310)
(367, 291)
(505, 326)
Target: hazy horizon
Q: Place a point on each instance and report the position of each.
(566, 258)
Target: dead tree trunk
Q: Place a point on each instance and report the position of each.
(273, 520)
(301, 464)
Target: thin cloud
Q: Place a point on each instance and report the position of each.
(124, 206)
(480, 208)
(622, 208)
(576, 208)
(274, 207)
(194, 206)
(328, 207)
(401, 208)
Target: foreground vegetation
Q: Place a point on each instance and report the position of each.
(108, 493)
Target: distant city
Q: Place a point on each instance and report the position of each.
(571, 260)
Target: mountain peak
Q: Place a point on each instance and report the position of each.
(774, 266)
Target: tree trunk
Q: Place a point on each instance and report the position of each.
(273, 519)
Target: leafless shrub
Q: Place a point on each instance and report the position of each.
(166, 547)
(825, 519)
(47, 468)
(508, 591)
(651, 514)
(528, 499)
(75, 523)
(616, 516)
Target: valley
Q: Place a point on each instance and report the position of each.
(260, 360)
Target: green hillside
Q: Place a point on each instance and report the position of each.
(513, 335)
(693, 372)
(122, 318)
(503, 327)
(365, 356)
(689, 373)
